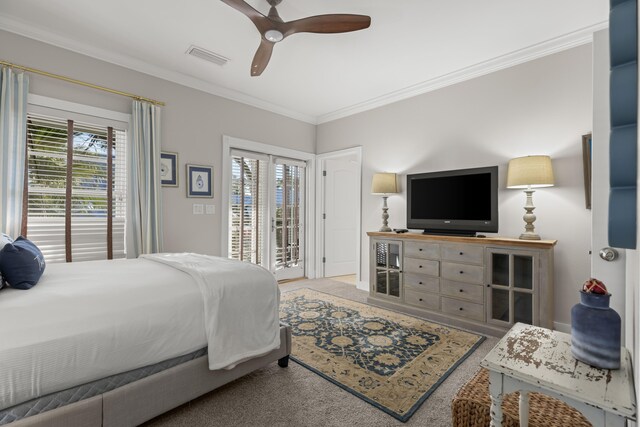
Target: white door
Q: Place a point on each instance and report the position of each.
(341, 193)
(288, 213)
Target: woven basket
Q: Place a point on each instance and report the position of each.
(471, 407)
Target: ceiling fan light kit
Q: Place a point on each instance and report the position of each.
(273, 29)
(273, 36)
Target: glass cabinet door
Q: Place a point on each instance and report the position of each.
(511, 287)
(387, 267)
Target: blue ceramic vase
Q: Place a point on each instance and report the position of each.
(595, 331)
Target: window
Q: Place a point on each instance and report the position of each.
(75, 208)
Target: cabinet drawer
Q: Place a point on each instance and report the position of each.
(422, 299)
(463, 272)
(463, 253)
(422, 282)
(461, 308)
(422, 250)
(461, 290)
(422, 266)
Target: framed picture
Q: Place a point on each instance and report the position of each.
(199, 181)
(586, 163)
(169, 169)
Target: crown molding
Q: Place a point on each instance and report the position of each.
(21, 28)
(564, 42)
(558, 44)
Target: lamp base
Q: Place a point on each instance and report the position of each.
(529, 218)
(529, 236)
(385, 215)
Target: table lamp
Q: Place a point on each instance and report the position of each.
(385, 184)
(530, 172)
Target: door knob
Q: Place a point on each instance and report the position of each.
(608, 254)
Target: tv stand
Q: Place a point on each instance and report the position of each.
(485, 285)
(462, 233)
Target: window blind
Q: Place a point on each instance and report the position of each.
(289, 176)
(248, 207)
(48, 146)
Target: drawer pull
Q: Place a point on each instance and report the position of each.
(420, 249)
(461, 272)
(461, 308)
(420, 299)
(419, 266)
(461, 253)
(461, 290)
(419, 283)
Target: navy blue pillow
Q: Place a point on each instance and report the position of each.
(21, 263)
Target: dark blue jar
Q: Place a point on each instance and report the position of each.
(595, 331)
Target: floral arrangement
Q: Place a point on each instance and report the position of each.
(594, 286)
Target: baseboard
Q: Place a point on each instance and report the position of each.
(363, 286)
(562, 327)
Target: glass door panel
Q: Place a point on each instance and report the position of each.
(523, 271)
(523, 307)
(394, 283)
(288, 243)
(500, 269)
(381, 281)
(381, 250)
(249, 209)
(500, 304)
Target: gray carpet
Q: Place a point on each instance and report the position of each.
(296, 396)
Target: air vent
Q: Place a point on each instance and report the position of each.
(201, 53)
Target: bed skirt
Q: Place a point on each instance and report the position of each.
(142, 400)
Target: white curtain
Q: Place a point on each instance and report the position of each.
(14, 88)
(144, 207)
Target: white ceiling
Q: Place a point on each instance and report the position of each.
(411, 47)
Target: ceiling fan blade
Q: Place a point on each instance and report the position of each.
(336, 23)
(261, 22)
(262, 57)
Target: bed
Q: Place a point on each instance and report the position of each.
(115, 343)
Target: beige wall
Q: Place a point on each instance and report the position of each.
(540, 107)
(193, 125)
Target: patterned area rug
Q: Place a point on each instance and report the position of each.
(392, 361)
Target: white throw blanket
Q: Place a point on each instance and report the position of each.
(240, 305)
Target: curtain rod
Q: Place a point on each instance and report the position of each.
(80, 82)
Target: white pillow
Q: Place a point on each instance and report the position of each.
(4, 239)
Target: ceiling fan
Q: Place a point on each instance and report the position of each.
(273, 29)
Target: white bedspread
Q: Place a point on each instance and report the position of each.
(89, 320)
(240, 306)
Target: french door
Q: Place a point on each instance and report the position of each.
(287, 214)
(266, 212)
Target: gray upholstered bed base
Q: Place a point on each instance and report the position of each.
(139, 401)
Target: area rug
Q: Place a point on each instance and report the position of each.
(391, 360)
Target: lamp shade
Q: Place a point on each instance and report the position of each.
(534, 171)
(384, 183)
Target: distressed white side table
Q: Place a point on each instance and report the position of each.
(532, 359)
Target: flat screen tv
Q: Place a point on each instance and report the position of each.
(456, 202)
